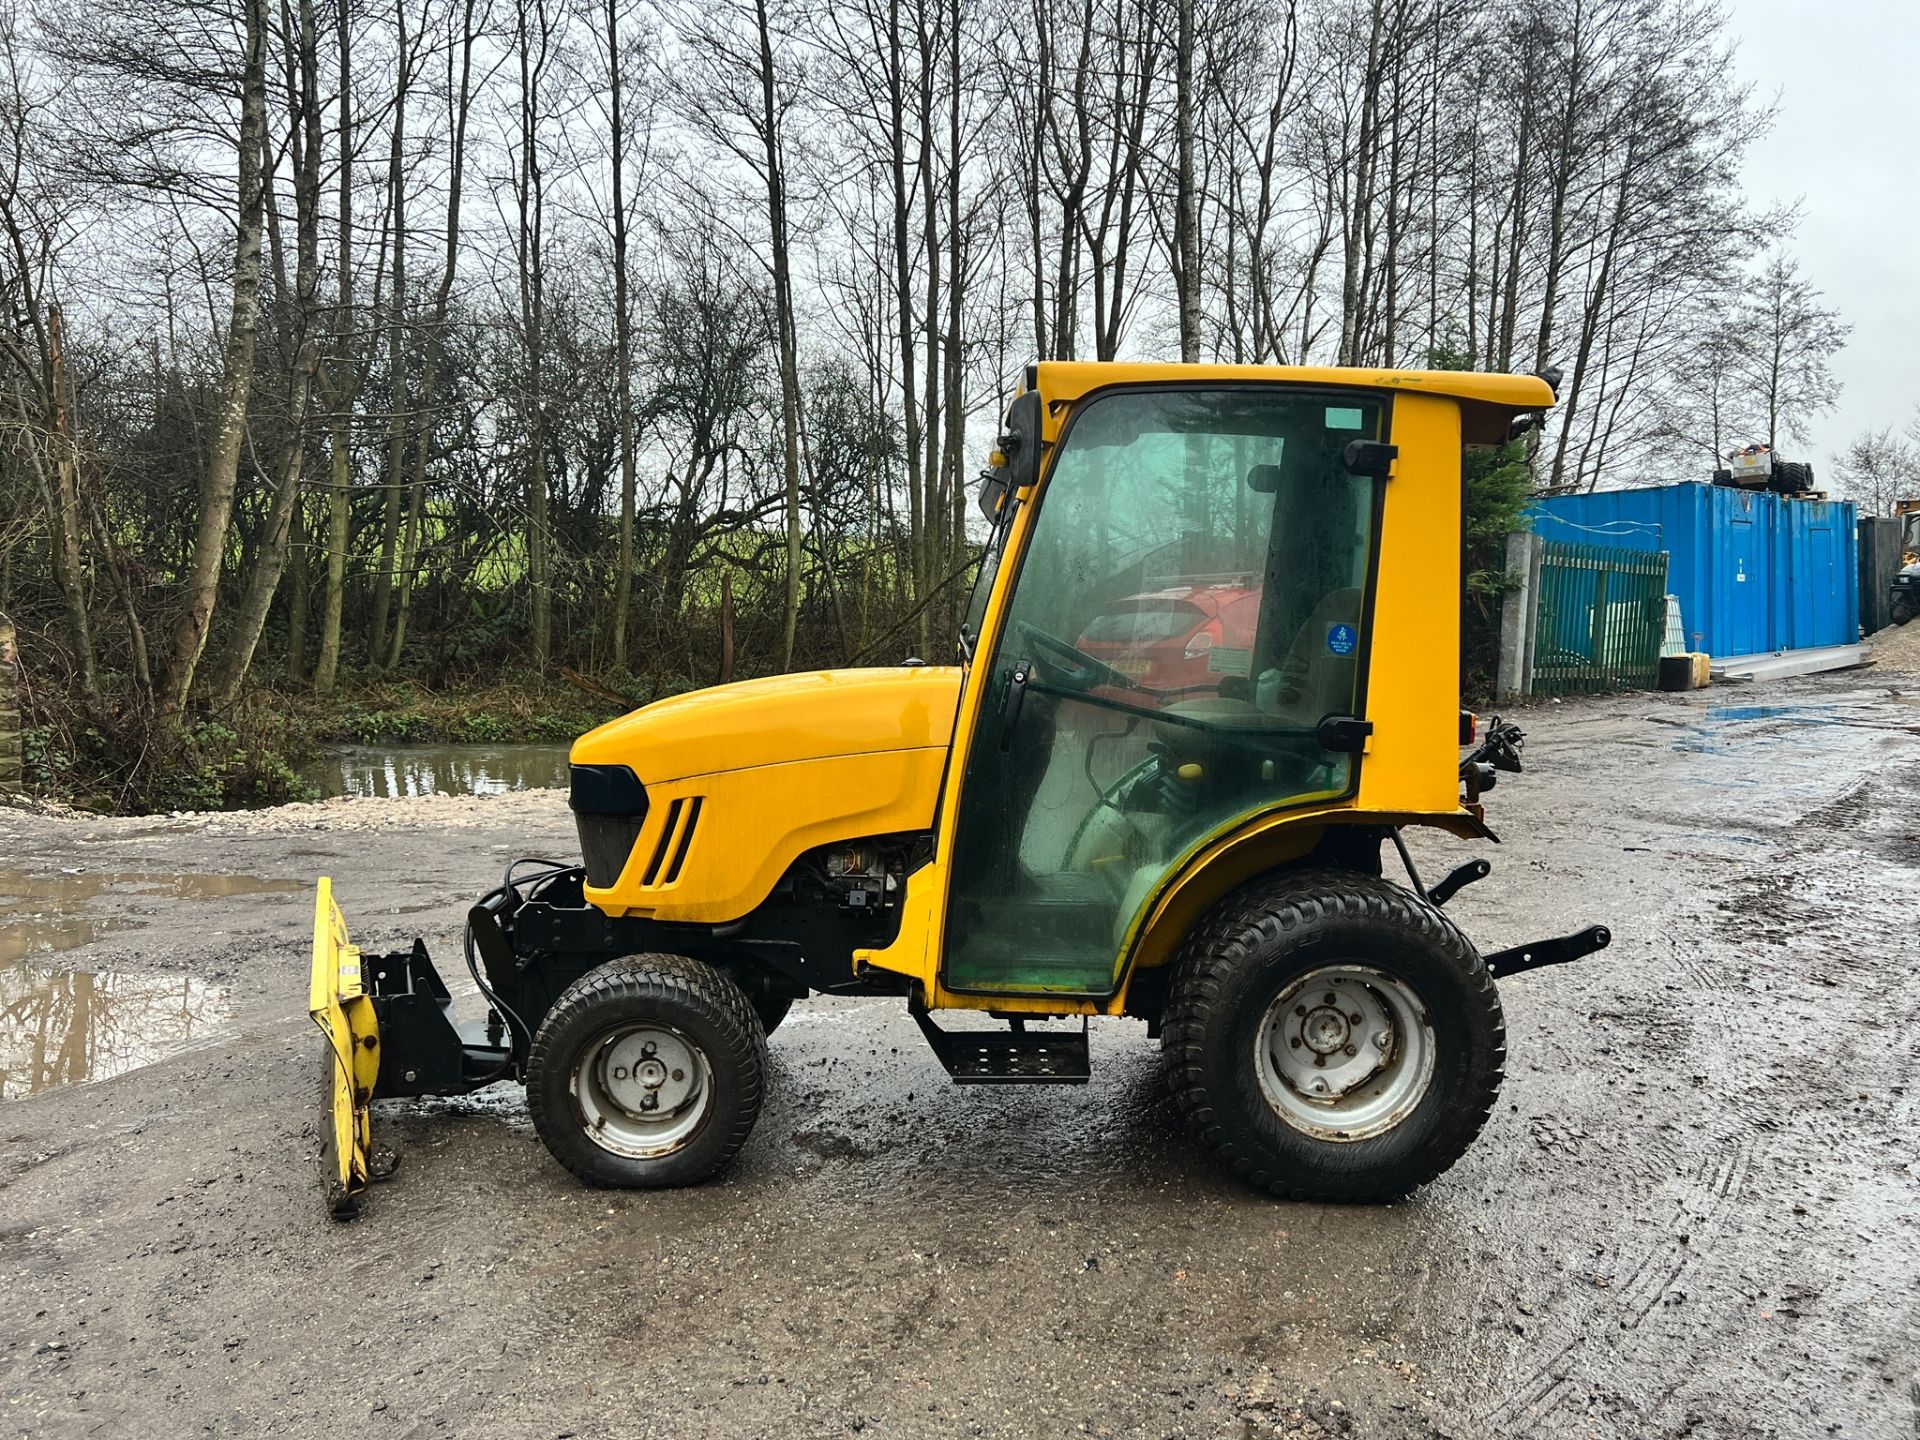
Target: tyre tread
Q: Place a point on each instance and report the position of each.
(677, 980)
(1261, 914)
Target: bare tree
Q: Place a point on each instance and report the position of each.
(1787, 343)
(1878, 470)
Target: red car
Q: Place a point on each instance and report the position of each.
(1186, 638)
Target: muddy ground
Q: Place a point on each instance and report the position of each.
(1695, 1213)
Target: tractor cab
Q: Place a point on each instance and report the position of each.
(1101, 767)
(1203, 686)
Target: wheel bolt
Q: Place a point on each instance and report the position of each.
(1295, 1042)
(1329, 999)
(648, 1049)
(1299, 1009)
(648, 1102)
(619, 1072)
(1353, 1049)
(1356, 1017)
(1319, 1061)
(679, 1074)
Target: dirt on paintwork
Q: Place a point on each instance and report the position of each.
(1695, 1213)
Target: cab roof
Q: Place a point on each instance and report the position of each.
(1488, 402)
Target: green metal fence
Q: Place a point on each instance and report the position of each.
(1600, 618)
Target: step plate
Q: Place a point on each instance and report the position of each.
(986, 1057)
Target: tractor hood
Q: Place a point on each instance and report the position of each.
(777, 720)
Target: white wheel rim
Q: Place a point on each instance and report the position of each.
(642, 1090)
(1346, 1052)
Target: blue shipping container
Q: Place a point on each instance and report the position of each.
(1755, 572)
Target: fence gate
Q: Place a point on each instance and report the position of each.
(1601, 615)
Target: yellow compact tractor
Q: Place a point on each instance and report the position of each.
(1208, 675)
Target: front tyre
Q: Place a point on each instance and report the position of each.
(1333, 1037)
(647, 1073)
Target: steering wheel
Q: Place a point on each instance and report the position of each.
(1072, 664)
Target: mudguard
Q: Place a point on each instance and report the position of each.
(343, 1010)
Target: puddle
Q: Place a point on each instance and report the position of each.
(390, 772)
(1708, 739)
(64, 1027)
(1813, 714)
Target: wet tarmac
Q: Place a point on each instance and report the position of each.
(1695, 1213)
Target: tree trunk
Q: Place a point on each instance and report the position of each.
(68, 567)
(221, 476)
(1186, 215)
(533, 328)
(338, 385)
(383, 574)
(784, 324)
(622, 348)
(271, 557)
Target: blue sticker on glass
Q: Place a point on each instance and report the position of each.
(1342, 638)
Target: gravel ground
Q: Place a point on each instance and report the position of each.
(1695, 1213)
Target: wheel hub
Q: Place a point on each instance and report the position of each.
(1345, 1052)
(643, 1089)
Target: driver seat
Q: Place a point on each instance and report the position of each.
(1314, 680)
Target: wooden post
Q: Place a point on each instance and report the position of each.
(9, 711)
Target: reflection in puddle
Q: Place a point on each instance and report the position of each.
(62, 1027)
(402, 770)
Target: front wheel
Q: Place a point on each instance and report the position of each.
(1333, 1037)
(647, 1072)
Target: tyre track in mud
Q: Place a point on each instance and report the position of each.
(1609, 1321)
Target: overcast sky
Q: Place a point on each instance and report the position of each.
(1846, 145)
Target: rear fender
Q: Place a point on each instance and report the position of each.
(1342, 839)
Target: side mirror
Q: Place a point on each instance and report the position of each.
(993, 488)
(1016, 460)
(1264, 479)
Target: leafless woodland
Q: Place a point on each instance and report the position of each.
(657, 340)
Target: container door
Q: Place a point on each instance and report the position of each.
(1190, 606)
(1742, 566)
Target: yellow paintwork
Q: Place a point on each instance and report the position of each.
(778, 766)
(778, 720)
(781, 765)
(1486, 403)
(753, 824)
(1409, 774)
(340, 1007)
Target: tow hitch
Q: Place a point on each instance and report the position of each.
(1540, 953)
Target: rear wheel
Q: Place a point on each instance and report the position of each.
(647, 1072)
(1333, 1037)
(1902, 612)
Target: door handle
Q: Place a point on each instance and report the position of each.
(1016, 697)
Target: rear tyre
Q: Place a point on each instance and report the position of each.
(1902, 612)
(647, 1073)
(1333, 1037)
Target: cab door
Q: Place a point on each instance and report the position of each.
(1188, 613)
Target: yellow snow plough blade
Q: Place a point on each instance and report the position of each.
(343, 1011)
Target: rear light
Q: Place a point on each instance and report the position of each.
(1203, 642)
(1469, 727)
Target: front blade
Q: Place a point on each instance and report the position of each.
(340, 1007)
